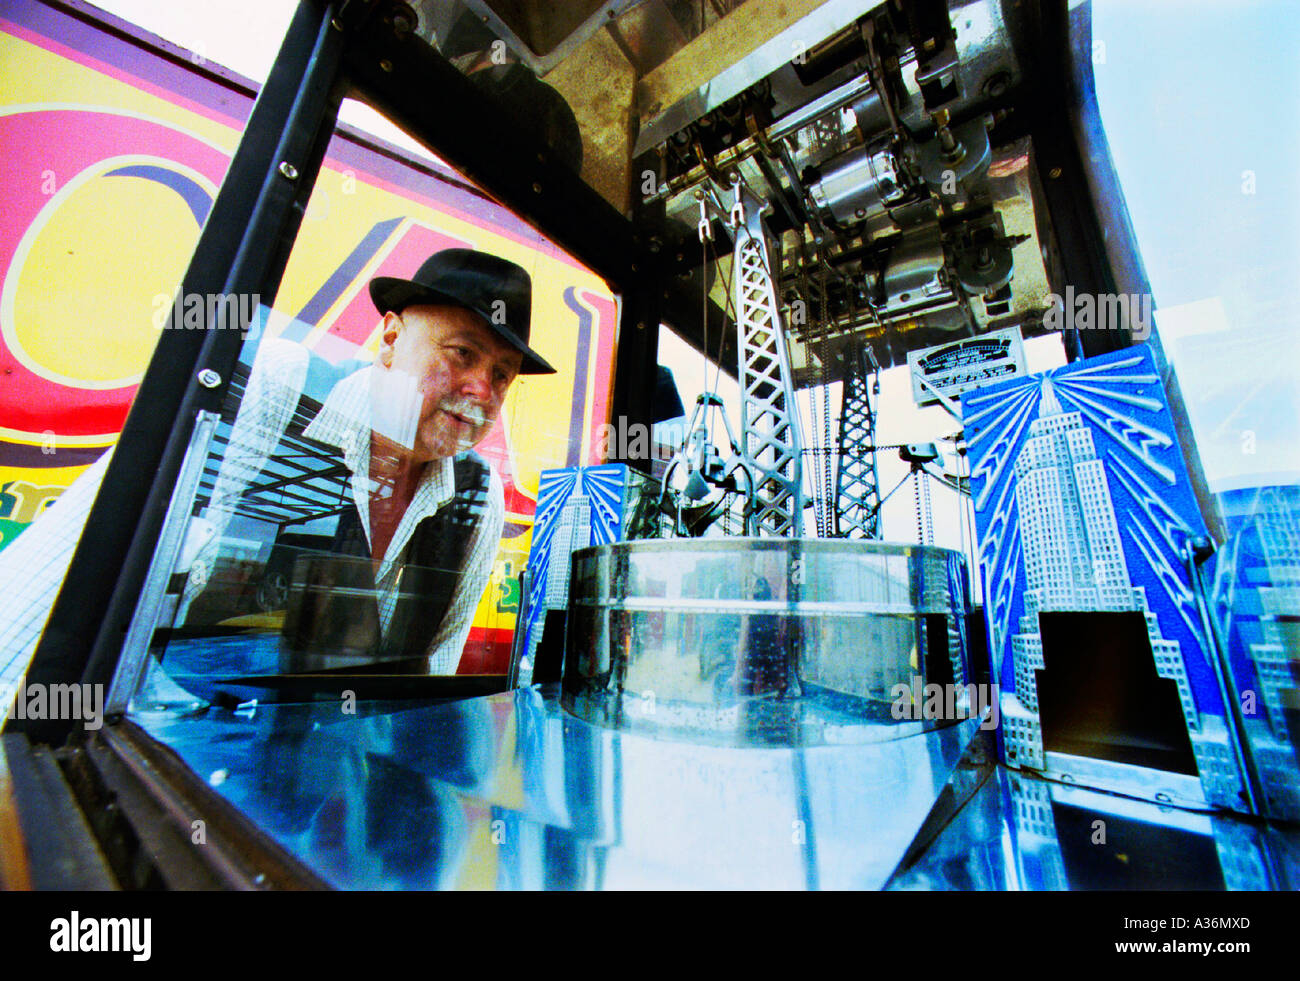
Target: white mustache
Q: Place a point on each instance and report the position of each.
(466, 409)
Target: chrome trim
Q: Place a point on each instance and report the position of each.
(135, 647)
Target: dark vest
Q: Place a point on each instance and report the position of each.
(340, 614)
(432, 560)
(330, 609)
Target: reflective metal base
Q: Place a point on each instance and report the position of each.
(512, 792)
(1021, 832)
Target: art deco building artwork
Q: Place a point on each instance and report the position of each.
(1083, 507)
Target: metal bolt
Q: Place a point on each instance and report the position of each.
(288, 170)
(209, 378)
(402, 25)
(1054, 173)
(385, 64)
(537, 188)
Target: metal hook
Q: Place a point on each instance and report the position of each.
(706, 226)
(737, 209)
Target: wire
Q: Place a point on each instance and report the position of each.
(926, 514)
(916, 497)
(828, 493)
(704, 306)
(728, 311)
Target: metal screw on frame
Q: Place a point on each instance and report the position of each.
(288, 170)
(209, 378)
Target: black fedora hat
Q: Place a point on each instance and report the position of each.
(498, 290)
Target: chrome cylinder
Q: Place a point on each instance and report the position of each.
(769, 640)
(858, 185)
(912, 271)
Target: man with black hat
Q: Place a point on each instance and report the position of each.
(428, 512)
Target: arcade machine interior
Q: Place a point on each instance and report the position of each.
(807, 193)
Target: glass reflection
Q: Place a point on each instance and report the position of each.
(347, 510)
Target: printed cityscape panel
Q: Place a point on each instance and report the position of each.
(1084, 514)
(576, 507)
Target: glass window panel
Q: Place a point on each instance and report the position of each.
(367, 497)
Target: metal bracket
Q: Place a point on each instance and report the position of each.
(698, 456)
(135, 648)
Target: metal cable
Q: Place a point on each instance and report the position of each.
(813, 452)
(927, 522)
(916, 498)
(729, 310)
(828, 492)
(704, 305)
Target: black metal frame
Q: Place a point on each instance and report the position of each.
(243, 248)
(1095, 244)
(1044, 101)
(145, 807)
(1121, 246)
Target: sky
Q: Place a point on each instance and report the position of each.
(1200, 102)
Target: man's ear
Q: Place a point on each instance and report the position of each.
(389, 331)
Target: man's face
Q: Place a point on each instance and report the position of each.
(460, 369)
